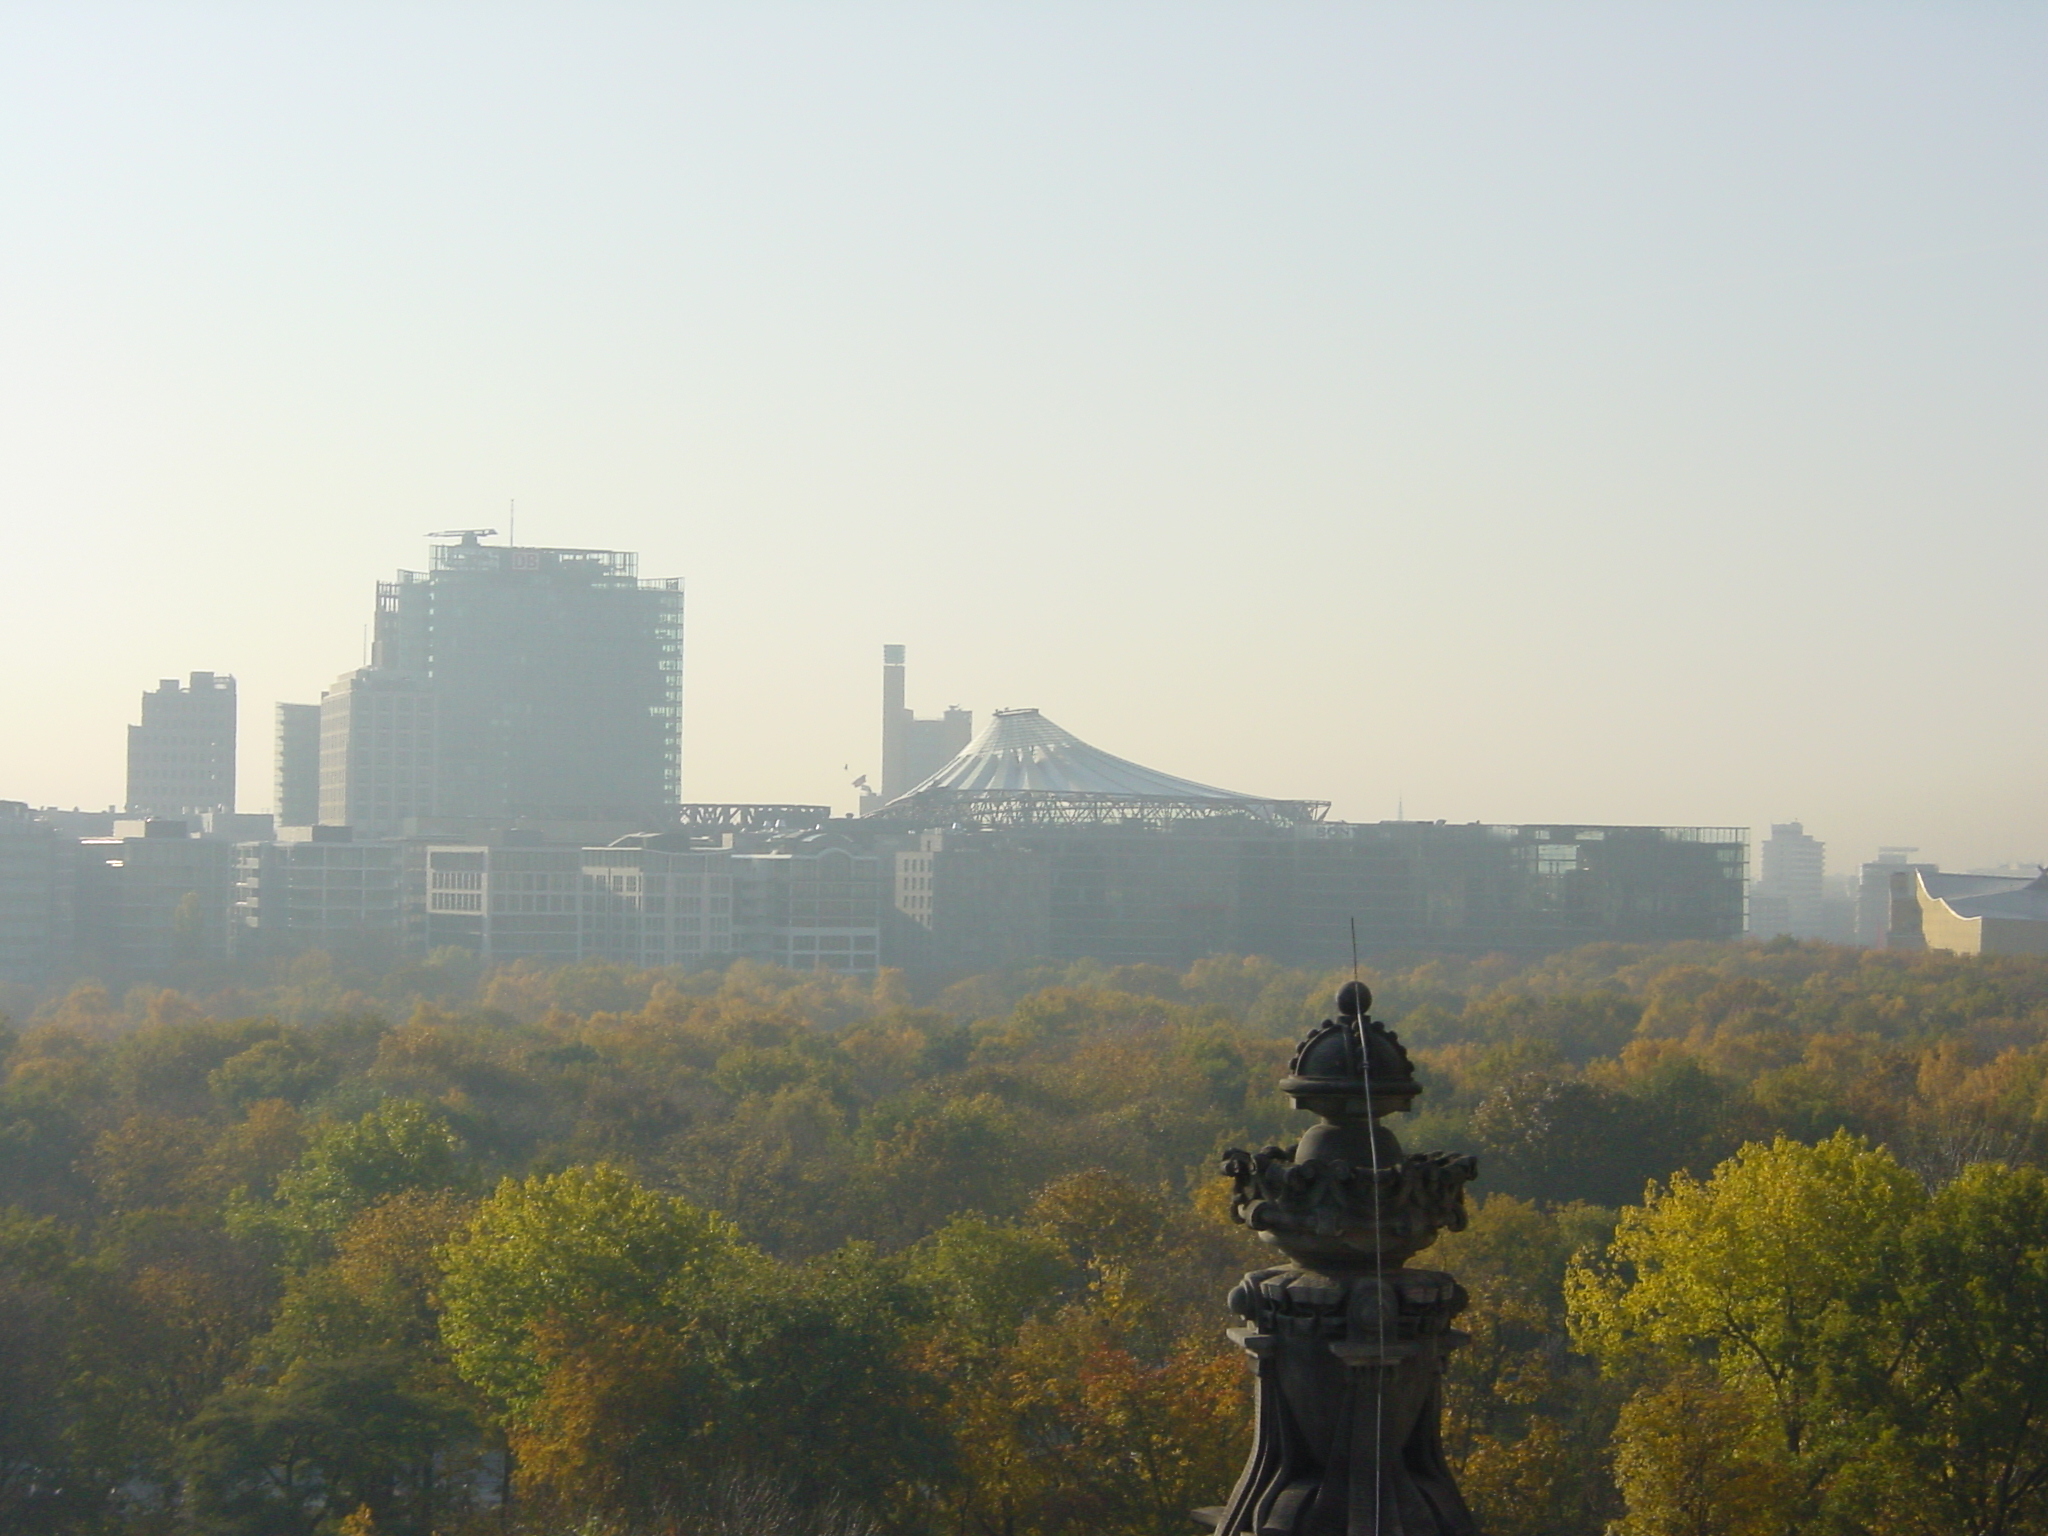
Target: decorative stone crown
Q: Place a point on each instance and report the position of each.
(1341, 1056)
(1346, 1196)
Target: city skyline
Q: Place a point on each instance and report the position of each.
(1599, 415)
(890, 695)
(951, 733)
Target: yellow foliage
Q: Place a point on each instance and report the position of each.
(1692, 1459)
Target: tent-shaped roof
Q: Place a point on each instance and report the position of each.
(1024, 767)
(1021, 749)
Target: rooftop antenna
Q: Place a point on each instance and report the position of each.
(1358, 998)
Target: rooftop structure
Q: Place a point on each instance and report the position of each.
(1024, 770)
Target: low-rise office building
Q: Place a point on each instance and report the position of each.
(1034, 844)
(319, 888)
(36, 882)
(812, 902)
(658, 901)
(152, 905)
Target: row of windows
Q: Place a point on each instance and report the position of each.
(551, 880)
(556, 904)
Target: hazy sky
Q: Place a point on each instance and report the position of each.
(1626, 413)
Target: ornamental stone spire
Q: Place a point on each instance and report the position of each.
(1346, 1340)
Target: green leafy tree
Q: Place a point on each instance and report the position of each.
(984, 1278)
(1770, 1274)
(331, 1438)
(1961, 1409)
(547, 1256)
(59, 1441)
(346, 1168)
(1526, 1419)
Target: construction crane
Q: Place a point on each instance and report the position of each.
(467, 535)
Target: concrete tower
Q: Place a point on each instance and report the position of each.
(913, 749)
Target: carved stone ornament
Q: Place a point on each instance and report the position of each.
(1347, 1342)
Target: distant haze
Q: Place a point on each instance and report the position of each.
(1606, 412)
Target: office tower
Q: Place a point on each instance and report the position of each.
(914, 749)
(377, 752)
(181, 759)
(555, 680)
(1788, 896)
(298, 765)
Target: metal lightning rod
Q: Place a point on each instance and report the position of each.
(1379, 1259)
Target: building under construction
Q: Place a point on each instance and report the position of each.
(507, 681)
(1031, 844)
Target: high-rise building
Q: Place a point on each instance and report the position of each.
(377, 751)
(555, 682)
(298, 765)
(1794, 895)
(181, 759)
(913, 749)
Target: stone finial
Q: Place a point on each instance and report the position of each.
(1346, 1341)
